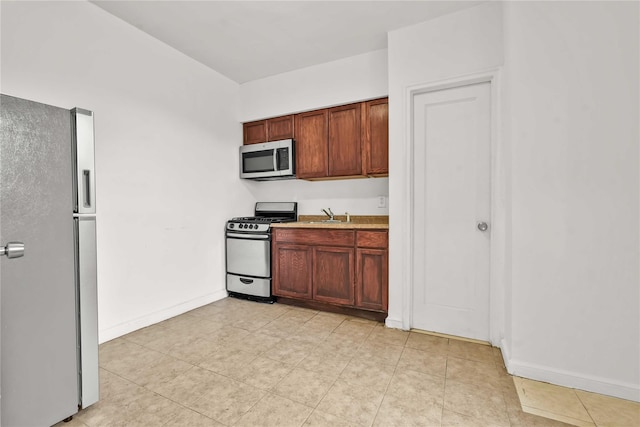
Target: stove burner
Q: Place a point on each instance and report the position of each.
(255, 223)
(259, 219)
(265, 215)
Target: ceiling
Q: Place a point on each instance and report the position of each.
(249, 40)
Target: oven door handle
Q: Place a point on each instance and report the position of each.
(249, 236)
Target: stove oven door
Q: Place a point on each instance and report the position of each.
(249, 254)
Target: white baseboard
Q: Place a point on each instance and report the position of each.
(158, 316)
(393, 323)
(575, 380)
(506, 356)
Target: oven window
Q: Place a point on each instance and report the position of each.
(257, 161)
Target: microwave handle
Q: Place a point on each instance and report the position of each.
(276, 160)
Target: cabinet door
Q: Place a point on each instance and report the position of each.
(254, 132)
(372, 278)
(311, 134)
(280, 128)
(345, 142)
(333, 275)
(376, 134)
(292, 271)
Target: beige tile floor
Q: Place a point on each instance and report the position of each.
(576, 407)
(240, 363)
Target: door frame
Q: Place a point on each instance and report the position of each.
(500, 213)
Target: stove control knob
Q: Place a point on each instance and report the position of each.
(244, 225)
(231, 225)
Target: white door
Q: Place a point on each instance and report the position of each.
(452, 154)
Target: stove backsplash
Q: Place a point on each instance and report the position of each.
(356, 196)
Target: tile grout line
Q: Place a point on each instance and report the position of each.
(282, 379)
(444, 388)
(585, 408)
(159, 395)
(341, 371)
(550, 414)
(386, 389)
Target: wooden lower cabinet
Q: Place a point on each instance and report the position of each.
(345, 268)
(292, 271)
(372, 278)
(333, 275)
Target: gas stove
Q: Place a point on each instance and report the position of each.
(265, 214)
(248, 250)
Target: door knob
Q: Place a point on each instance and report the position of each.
(12, 250)
(482, 226)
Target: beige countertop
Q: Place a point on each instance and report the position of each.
(357, 222)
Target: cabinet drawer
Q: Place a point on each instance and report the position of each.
(372, 239)
(306, 236)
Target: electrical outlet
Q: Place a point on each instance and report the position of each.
(382, 201)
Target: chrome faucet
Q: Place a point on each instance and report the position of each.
(329, 214)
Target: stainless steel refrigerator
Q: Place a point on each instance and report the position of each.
(48, 279)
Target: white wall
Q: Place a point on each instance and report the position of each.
(453, 45)
(567, 179)
(572, 92)
(348, 80)
(164, 123)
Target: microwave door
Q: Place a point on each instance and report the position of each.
(257, 163)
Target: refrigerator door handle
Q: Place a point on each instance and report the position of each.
(86, 177)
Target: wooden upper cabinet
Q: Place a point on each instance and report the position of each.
(255, 132)
(311, 134)
(280, 128)
(376, 137)
(268, 130)
(345, 142)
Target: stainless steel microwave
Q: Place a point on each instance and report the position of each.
(268, 161)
